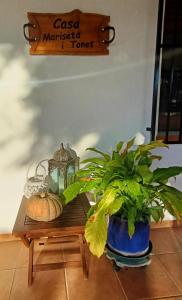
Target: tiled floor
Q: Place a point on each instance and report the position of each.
(161, 280)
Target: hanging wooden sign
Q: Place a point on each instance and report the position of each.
(74, 33)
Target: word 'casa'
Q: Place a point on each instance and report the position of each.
(59, 23)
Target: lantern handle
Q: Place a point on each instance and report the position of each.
(43, 167)
(28, 170)
(36, 170)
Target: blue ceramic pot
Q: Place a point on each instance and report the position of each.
(119, 240)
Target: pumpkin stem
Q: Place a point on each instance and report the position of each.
(42, 195)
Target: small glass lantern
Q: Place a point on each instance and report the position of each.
(37, 183)
(62, 169)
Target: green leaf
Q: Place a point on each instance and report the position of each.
(132, 187)
(119, 146)
(146, 191)
(105, 155)
(91, 211)
(118, 184)
(139, 201)
(96, 226)
(161, 174)
(119, 167)
(128, 146)
(72, 191)
(129, 160)
(107, 177)
(172, 203)
(116, 156)
(96, 233)
(128, 187)
(145, 173)
(130, 143)
(131, 221)
(145, 159)
(157, 213)
(107, 199)
(115, 164)
(152, 145)
(116, 205)
(95, 160)
(83, 173)
(172, 190)
(95, 170)
(90, 185)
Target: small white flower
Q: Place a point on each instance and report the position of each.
(139, 139)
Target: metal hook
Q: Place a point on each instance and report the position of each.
(24, 32)
(108, 28)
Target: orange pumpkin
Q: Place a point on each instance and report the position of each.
(43, 207)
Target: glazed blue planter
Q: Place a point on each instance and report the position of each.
(119, 240)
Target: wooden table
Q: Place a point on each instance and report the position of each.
(70, 223)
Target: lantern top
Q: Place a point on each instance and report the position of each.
(71, 151)
(62, 155)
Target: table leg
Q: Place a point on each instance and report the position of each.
(30, 264)
(83, 257)
(25, 241)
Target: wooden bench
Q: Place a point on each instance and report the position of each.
(70, 224)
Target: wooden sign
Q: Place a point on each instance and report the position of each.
(74, 33)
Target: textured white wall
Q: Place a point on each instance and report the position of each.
(87, 101)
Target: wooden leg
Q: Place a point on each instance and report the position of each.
(25, 241)
(30, 264)
(83, 258)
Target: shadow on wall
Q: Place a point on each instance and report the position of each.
(87, 101)
(35, 115)
(49, 99)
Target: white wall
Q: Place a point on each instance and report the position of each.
(87, 101)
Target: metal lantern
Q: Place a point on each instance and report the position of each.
(62, 168)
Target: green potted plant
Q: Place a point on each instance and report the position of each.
(127, 193)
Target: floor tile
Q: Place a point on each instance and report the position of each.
(9, 252)
(48, 253)
(178, 233)
(47, 285)
(71, 251)
(22, 257)
(102, 282)
(164, 240)
(6, 280)
(171, 298)
(173, 264)
(8, 238)
(147, 282)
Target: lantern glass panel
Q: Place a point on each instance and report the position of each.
(57, 181)
(76, 164)
(54, 180)
(61, 183)
(70, 174)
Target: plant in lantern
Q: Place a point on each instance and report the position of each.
(127, 193)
